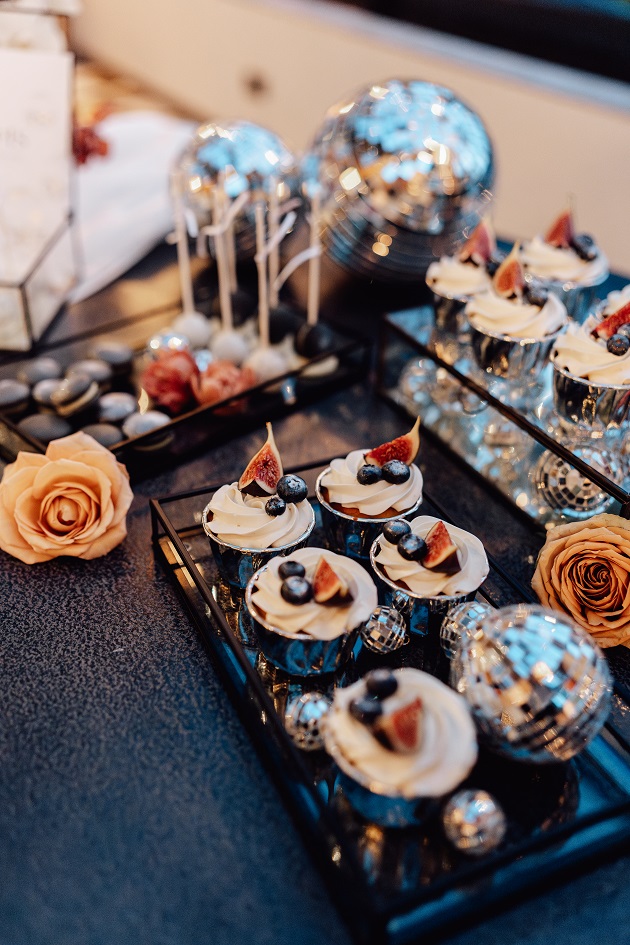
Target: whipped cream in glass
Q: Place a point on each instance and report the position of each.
(320, 621)
(343, 489)
(582, 355)
(423, 582)
(445, 757)
(238, 519)
(516, 318)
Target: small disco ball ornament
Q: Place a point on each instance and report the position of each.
(385, 631)
(303, 719)
(474, 822)
(461, 621)
(167, 341)
(538, 685)
(565, 489)
(239, 156)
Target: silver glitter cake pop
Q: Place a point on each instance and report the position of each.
(303, 718)
(474, 822)
(538, 685)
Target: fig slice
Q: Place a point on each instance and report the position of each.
(611, 325)
(401, 730)
(561, 232)
(263, 470)
(328, 587)
(509, 280)
(442, 554)
(404, 448)
(480, 245)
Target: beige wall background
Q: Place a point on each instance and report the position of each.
(282, 63)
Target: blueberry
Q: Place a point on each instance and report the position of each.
(395, 530)
(368, 474)
(291, 569)
(585, 246)
(395, 471)
(412, 548)
(618, 344)
(536, 294)
(365, 710)
(494, 262)
(292, 489)
(381, 683)
(275, 505)
(296, 590)
(624, 330)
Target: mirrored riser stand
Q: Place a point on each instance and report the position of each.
(550, 474)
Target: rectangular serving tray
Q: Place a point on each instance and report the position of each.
(393, 885)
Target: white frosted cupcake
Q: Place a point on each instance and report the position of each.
(307, 608)
(360, 492)
(262, 515)
(399, 739)
(454, 280)
(424, 566)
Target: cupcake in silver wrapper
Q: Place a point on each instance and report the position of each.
(309, 638)
(454, 280)
(577, 299)
(512, 359)
(424, 595)
(394, 782)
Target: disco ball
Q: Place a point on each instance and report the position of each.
(538, 685)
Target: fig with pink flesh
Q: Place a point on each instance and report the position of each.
(561, 232)
(442, 554)
(611, 325)
(263, 470)
(403, 448)
(509, 280)
(401, 730)
(480, 246)
(328, 587)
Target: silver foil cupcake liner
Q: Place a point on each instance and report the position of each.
(513, 359)
(350, 536)
(577, 299)
(449, 313)
(237, 565)
(384, 809)
(588, 407)
(298, 654)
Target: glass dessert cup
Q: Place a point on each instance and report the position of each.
(577, 297)
(236, 565)
(352, 535)
(589, 409)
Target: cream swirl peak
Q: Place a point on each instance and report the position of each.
(323, 621)
(447, 750)
(241, 520)
(412, 576)
(378, 483)
(515, 317)
(582, 354)
(453, 278)
(564, 256)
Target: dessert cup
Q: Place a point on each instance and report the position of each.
(391, 788)
(424, 611)
(312, 638)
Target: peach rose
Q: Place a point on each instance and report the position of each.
(583, 569)
(72, 501)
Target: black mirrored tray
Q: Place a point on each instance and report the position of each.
(394, 885)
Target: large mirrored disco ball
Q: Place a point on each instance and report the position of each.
(244, 157)
(406, 171)
(538, 685)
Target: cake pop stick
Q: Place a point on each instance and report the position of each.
(183, 254)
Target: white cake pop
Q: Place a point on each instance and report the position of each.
(195, 327)
(267, 363)
(228, 345)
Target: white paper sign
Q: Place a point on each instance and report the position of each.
(35, 155)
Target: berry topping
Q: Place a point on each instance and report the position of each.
(395, 530)
(404, 448)
(535, 293)
(508, 280)
(292, 489)
(442, 554)
(479, 246)
(402, 729)
(365, 710)
(611, 325)
(381, 683)
(368, 474)
(585, 246)
(618, 345)
(412, 548)
(328, 587)
(396, 471)
(275, 505)
(263, 470)
(561, 234)
(291, 569)
(296, 590)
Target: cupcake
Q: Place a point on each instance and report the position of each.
(455, 279)
(401, 740)
(570, 264)
(307, 608)
(262, 515)
(591, 369)
(514, 324)
(425, 566)
(361, 492)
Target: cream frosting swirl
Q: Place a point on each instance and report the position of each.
(343, 488)
(454, 279)
(240, 519)
(445, 757)
(423, 582)
(580, 354)
(562, 264)
(516, 318)
(321, 621)
(616, 300)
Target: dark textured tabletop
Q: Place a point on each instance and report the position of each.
(133, 808)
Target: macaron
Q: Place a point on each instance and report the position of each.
(39, 369)
(104, 433)
(44, 427)
(99, 370)
(118, 355)
(14, 397)
(116, 407)
(74, 394)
